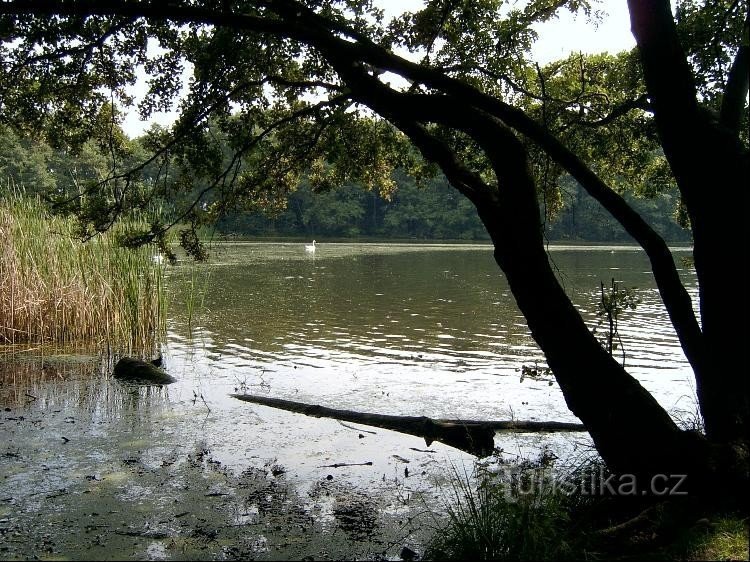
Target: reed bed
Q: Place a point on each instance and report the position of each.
(55, 289)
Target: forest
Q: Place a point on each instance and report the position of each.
(433, 211)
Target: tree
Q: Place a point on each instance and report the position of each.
(310, 87)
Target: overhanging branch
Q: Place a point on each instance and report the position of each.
(297, 22)
(735, 92)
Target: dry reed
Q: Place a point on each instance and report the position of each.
(56, 289)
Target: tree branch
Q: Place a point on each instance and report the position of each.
(641, 102)
(665, 67)
(735, 92)
(435, 150)
(304, 25)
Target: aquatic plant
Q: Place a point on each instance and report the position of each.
(519, 515)
(54, 288)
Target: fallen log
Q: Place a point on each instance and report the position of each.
(474, 437)
(340, 464)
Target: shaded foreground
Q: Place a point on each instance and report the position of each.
(96, 469)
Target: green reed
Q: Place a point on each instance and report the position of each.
(55, 289)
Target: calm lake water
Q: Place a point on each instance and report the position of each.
(185, 471)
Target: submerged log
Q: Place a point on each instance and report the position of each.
(141, 372)
(474, 437)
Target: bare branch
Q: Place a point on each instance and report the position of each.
(738, 81)
(641, 102)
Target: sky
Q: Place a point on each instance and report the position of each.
(558, 38)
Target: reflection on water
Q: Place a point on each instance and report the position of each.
(62, 383)
(434, 326)
(390, 329)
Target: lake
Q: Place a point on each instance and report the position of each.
(186, 471)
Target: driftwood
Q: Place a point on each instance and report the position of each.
(141, 372)
(474, 437)
(340, 464)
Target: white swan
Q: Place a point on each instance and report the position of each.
(158, 259)
(310, 247)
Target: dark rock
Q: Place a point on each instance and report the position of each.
(408, 554)
(142, 372)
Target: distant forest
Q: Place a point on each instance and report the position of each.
(439, 212)
(433, 212)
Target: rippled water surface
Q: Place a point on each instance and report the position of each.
(434, 326)
(185, 471)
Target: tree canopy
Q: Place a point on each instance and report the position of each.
(333, 91)
(273, 95)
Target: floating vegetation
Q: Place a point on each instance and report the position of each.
(56, 289)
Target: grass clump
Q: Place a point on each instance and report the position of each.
(55, 289)
(528, 511)
(724, 537)
(516, 514)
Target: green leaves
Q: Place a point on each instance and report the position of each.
(711, 33)
(272, 96)
(613, 302)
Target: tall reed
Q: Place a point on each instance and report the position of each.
(56, 289)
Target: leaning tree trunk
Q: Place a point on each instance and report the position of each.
(631, 431)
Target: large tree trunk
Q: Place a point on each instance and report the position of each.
(720, 238)
(711, 168)
(632, 432)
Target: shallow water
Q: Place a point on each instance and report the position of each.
(92, 468)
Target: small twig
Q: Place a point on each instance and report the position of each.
(147, 534)
(357, 429)
(196, 396)
(205, 403)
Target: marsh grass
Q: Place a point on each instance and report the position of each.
(516, 516)
(725, 538)
(197, 287)
(528, 511)
(55, 289)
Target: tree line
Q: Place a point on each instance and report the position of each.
(434, 211)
